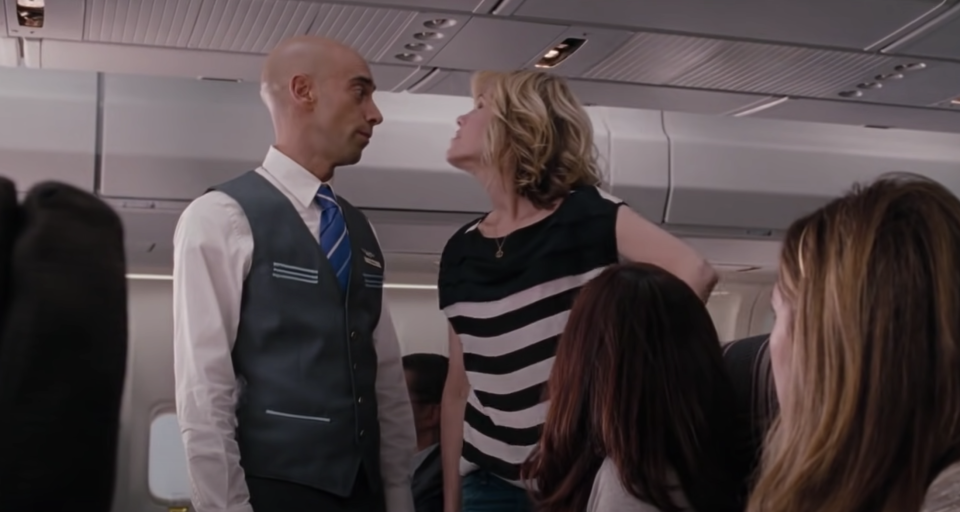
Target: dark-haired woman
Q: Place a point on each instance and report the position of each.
(640, 413)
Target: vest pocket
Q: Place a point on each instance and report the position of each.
(373, 280)
(294, 273)
(298, 416)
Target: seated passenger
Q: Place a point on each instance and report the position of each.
(640, 414)
(426, 374)
(748, 364)
(866, 356)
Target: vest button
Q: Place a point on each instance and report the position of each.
(361, 433)
(360, 400)
(353, 335)
(354, 366)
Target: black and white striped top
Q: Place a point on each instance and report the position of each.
(509, 313)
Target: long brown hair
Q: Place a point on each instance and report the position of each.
(872, 408)
(639, 377)
(540, 134)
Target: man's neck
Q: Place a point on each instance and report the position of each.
(308, 159)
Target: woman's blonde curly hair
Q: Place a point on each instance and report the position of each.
(540, 136)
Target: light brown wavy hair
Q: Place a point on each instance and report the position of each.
(873, 400)
(540, 136)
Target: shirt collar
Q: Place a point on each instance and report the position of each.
(299, 182)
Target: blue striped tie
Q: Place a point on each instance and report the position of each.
(334, 239)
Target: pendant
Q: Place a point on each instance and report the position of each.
(499, 253)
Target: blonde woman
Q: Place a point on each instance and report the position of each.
(866, 355)
(508, 279)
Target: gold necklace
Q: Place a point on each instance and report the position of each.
(500, 242)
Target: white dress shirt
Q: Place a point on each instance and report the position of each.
(213, 249)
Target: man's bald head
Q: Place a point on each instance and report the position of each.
(312, 56)
(319, 93)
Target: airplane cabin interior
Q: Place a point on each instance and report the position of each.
(720, 121)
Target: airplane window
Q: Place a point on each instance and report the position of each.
(768, 319)
(723, 307)
(167, 471)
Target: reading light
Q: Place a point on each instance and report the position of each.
(418, 47)
(408, 57)
(388, 286)
(30, 13)
(889, 76)
(428, 36)
(559, 53)
(439, 23)
(913, 66)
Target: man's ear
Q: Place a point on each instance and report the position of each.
(302, 90)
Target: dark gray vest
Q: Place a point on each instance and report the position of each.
(304, 354)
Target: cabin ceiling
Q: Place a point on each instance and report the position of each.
(886, 63)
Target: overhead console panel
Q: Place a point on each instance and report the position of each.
(852, 24)
(759, 174)
(638, 165)
(49, 130)
(58, 19)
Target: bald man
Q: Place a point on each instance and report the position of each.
(290, 391)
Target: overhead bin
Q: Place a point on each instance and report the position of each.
(48, 129)
(9, 52)
(759, 174)
(171, 139)
(638, 160)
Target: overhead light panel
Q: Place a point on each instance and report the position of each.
(955, 102)
(559, 53)
(30, 13)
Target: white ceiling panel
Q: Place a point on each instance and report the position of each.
(836, 112)
(854, 24)
(245, 26)
(9, 52)
(685, 61)
(368, 30)
(144, 60)
(480, 6)
(661, 98)
(63, 19)
(940, 41)
(48, 129)
(497, 44)
(425, 36)
(229, 25)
